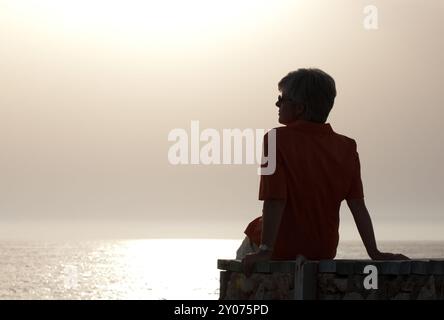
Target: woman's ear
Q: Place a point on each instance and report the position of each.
(299, 111)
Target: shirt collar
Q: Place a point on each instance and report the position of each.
(310, 126)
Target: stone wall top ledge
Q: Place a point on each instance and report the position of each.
(343, 266)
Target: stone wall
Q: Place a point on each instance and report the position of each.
(274, 286)
(391, 287)
(332, 280)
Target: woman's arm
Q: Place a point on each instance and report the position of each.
(365, 228)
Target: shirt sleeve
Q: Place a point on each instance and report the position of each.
(356, 190)
(273, 186)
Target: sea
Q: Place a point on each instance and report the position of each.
(149, 269)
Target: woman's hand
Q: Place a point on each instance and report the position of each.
(388, 256)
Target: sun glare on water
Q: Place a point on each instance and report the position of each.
(174, 269)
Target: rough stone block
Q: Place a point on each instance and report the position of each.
(353, 296)
(401, 296)
(341, 284)
(428, 291)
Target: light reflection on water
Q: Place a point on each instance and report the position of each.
(137, 269)
(125, 269)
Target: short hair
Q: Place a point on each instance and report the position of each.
(314, 89)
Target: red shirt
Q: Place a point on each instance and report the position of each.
(316, 169)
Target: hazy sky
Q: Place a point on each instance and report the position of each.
(89, 91)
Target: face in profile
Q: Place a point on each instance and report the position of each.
(289, 110)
